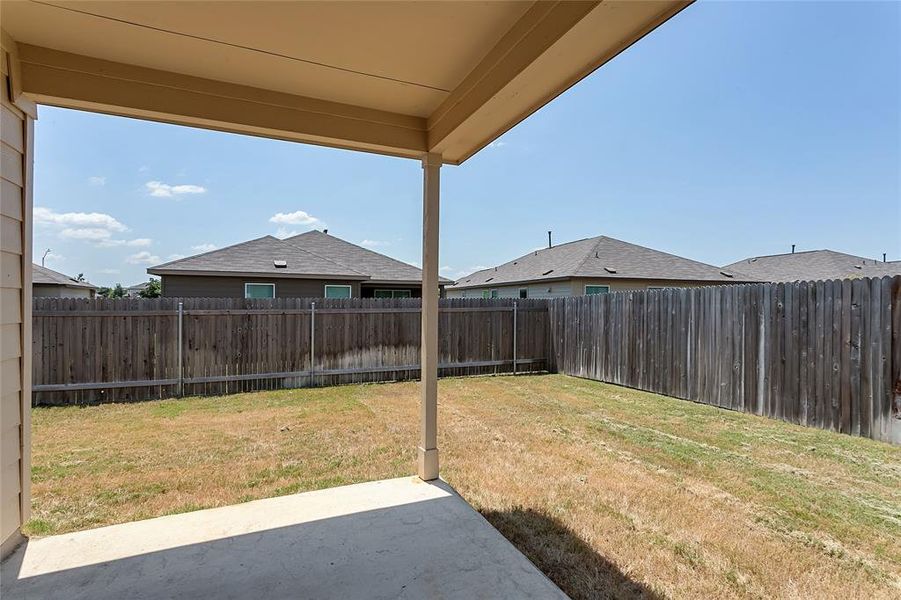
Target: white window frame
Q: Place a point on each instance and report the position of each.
(246, 297)
(495, 294)
(350, 289)
(595, 285)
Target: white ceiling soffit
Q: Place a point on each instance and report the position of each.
(395, 78)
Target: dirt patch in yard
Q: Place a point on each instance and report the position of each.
(611, 492)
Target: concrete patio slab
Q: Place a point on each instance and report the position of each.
(398, 538)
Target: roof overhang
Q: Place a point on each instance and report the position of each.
(416, 282)
(395, 78)
(257, 274)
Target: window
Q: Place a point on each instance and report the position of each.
(259, 290)
(523, 292)
(591, 290)
(392, 294)
(494, 293)
(337, 291)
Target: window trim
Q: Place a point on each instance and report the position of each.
(247, 283)
(495, 294)
(350, 290)
(521, 290)
(595, 285)
(393, 292)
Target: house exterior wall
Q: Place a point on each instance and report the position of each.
(16, 138)
(573, 287)
(547, 289)
(211, 286)
(60, 291)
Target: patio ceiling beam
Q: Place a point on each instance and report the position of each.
(74, 81)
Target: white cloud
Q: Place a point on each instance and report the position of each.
(143, 169)
(497, 144)
(97, 180)
(298, 217)
(92, 234)
(204, 247)
(159, 189)
(143, 258)
(445, 269)
(374, 244)
(109, 271)
(175, 257)
(48, 216)
(135, 243)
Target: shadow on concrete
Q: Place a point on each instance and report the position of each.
(431, 545)
(577, 568)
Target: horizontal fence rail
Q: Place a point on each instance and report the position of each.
(824, 354)
(98, 350)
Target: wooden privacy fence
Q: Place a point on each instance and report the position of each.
(825, 354)
(98, 350)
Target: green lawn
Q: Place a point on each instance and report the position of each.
(608, 490)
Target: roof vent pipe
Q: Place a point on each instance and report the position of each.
(883, 257)
(325, 231)
(549, 244)
(793, 248)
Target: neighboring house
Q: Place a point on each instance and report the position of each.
(591, 266)
(813, 265)
(47, 283)
(134, 291)
(309, 265)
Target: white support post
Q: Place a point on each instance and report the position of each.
(427, 463)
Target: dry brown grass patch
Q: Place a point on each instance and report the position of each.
(611, 492)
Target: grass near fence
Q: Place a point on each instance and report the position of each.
(609, 491)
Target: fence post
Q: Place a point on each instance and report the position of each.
(514, 338)
(312, 340)
(181, 363)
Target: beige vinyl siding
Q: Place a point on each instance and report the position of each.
(60, 291)
(548, 289)
(206, 286)
(575, 287)
(625, 285)
(16, 136)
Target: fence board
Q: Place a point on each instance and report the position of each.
(127, 349)
(823, 354)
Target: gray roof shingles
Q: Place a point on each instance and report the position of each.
(44, 276)
(598, 257)
(813, 265)
(312, 254)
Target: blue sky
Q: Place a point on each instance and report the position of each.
(736, 129)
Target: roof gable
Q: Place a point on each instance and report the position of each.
(378, 266)
(258, 257)
(44, 276)
(598, 257)
(812, 265)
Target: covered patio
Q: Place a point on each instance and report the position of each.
(435, 82)
(398, 538)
